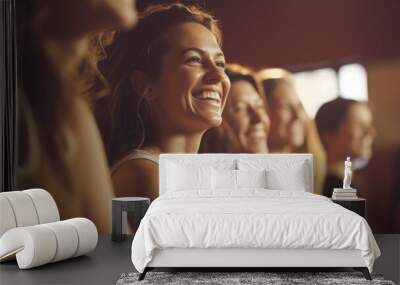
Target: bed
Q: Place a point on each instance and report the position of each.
(246, 211)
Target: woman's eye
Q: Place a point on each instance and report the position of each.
(193, 59)
(221, 64)
(239, 108)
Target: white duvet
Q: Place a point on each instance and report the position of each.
(251, 218)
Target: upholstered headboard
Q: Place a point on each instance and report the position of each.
(278, 162)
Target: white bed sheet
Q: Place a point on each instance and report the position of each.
(250, 218)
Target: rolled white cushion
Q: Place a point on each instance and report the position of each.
(40, 244)
(45, 205)
(23, 208)
(67, 240)
(87, 235)
(7, 218)
(34, 245)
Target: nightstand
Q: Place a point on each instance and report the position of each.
(358, 205)
(120, 206)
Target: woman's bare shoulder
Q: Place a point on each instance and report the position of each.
(137, 167)
(136, 177)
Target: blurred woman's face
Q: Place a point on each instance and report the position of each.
(192, 88)
(357, 132)
(246, 114)
(288, 119)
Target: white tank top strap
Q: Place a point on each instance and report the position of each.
(135, 154)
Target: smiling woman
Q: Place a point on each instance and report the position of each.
(246, 123)
(168, 86)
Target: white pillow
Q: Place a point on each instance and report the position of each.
(182, 177)
(294, 180)
(224, 179)
(251, 178)
(281, 174)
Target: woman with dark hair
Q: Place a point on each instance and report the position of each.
(168, 86)
(292, 131)
(245, 123)
(345, 127)
(60, 148)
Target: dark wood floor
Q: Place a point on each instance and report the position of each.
(106, 264)
(103, 266)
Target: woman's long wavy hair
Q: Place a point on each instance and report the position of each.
(223, 139)
(124, 116)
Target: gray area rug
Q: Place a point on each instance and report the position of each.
(228, 278)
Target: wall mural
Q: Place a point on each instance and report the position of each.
(101, 97)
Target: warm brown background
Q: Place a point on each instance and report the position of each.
(296, 33)
(308, 34)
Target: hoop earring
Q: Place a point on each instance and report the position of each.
(146, 95)
(141, 123)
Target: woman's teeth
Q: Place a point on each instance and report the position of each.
(208, 95)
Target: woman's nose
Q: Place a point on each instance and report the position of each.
(255, 116)
(215, 74)
(297, 113)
